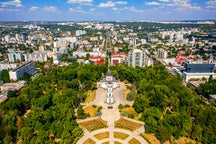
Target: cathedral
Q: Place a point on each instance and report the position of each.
(109, 83)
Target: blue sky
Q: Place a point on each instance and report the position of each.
(106, 10)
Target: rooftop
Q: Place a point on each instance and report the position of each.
(109, 73)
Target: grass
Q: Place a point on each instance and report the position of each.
(102, 135)
(120, 135)
(182, 140)
(134, 141)
(126, 91)
(93, 124)
(131, 110)
(90, 96)
(89, 141)
(117, 142)
(151, 138)
(106, 143)
(91, 111)
(126, 124)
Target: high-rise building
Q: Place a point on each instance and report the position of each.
(23, 37)
(15, 56)
(162, 53)
(36, 56)
(136, 57)
(7, 38)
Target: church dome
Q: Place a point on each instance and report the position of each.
(108, 73)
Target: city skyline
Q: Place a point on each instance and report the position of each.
(107, 10)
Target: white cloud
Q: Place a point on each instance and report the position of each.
(9, 10)
(34, 8)
(211, 4)
(16, 3)
(164, 0)
(92, 9)
(79, 1)
(153, 3)
(117, 9)
(184, 4)
(107, 4)
(77, 10)
(178, 4)
(50, 8)
(133, 9)
(121, 2)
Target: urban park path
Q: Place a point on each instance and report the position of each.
(110, 116)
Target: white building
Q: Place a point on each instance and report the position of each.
(162, 53)
(84, 53)
(137, 57)
(80, 32)
(8, 66)
(109, 83)
(7, 38)
(57, 58)
(15, 56)
(36, 56)
(189, 76)
(19, 72)
(64, 42)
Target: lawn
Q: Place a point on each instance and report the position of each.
(91, 110)
(102, 135)
(182, 140)
(151, 138)
(130, 110)
(126, 91)
(120, 135)
(134, 141)
(89, 141)
(90, 96)
(127, 124)
(92, 125)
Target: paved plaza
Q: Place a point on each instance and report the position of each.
(110, 116)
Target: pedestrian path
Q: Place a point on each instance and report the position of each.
(110, 116)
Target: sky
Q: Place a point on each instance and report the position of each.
(107, 10)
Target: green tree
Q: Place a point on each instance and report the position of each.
(80, 113)
(5, 76)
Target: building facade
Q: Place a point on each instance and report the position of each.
(19, 72)
(8, 66)
(198, 71)
(137, 57)
(36, 56)
(162, 53)
(15, 56)
(109, 83)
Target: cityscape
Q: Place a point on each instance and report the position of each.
(108, 72)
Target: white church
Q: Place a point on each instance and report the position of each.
(109, 83)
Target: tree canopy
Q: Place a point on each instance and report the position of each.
(168, 108)
(43, 111)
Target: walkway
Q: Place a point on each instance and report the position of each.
(111, 115)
